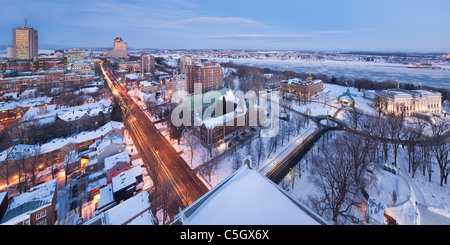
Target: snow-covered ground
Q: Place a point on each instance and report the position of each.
(433, 198)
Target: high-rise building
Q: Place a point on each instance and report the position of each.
(208, 74)
(25, 42)
(119, 50)
(147, 63)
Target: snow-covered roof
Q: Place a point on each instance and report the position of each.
(66, 113)
(130, 208)
(89, 90)
(119, 157)
(61, 142)
(106, 197)
(133, 76)
(149, 84)
(240, 110)
(94, 184)
(125, 179)
(3, 195)
(247, 198)
(13, 94)
(298, 81)
(25, 103)
(25, 203)
(108, 140)
(407, 94)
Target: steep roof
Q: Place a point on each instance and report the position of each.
(247, 198)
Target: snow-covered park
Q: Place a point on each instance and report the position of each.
(408, 200)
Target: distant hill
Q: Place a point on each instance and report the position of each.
(397, 54)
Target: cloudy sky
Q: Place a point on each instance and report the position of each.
(344, 25)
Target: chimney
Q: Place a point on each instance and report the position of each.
(247, 162)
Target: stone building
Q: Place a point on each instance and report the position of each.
(409, 101)
(119, 50)
(303, 88)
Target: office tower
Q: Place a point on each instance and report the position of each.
(119, 50)
(208, 74)
(25, 42)
(147, 63)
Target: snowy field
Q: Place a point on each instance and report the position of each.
(354, 69)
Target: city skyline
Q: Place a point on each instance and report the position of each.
(324, 25)
(188, 112)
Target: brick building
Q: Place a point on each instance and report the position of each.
(208, 74)
(34, 207)
(305, 89)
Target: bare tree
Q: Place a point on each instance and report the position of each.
(69, 152)
(441, 152)
(6, 164)
(20, 162)
(32, 166)
(259, 147)
(427, 163)
(395, 127)
(153, 169)
(237, 161)
(192, 142)
(354, 115)
(440, 147)
(412, 134)
(209, 168)
(273, 144)
(167, 193)
(338, 179)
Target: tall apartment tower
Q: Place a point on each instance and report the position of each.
(119, 50)
(147, 63)
(25, 42)
(208, 74)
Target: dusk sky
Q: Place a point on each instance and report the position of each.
(331, 25)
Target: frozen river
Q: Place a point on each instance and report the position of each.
(354, 69)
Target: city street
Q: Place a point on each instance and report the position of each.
(157, 152)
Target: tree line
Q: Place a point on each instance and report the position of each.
(244, 71)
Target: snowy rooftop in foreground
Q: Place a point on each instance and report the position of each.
(247, 198)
